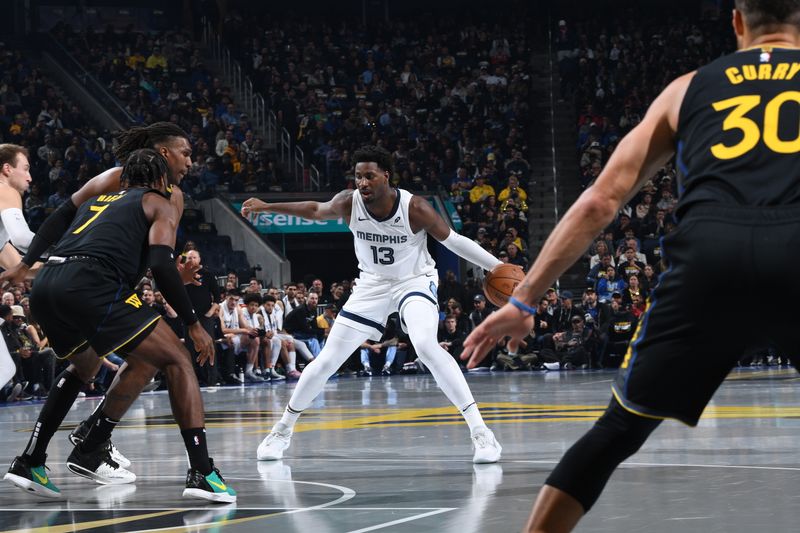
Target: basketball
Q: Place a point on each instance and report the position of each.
(501, 282)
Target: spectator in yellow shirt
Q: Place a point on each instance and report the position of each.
(325, 320)
(480, 191)
(515, 193)
(156, 59)
(135, 59)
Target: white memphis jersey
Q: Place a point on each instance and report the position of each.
(387, 248)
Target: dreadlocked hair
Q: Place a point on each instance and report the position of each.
(145, 137)
(144, 168)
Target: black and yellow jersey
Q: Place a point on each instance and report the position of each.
(112, 228)
(738, 139)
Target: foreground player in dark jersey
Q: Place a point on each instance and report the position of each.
(732, 126)
(172, 143)
(84, 296)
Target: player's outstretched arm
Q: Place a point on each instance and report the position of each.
(423, 216)
(639, 155)
(337, 207)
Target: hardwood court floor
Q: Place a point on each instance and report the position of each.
(391, 454)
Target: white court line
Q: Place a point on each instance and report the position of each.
(433, 460)
(206, 508)
(402, 520)
(347, 494)
(684, 465)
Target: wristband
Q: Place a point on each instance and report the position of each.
(522, 306)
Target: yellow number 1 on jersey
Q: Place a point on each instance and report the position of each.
(98, 209)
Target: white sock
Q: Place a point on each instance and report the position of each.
(473, 417)
(290, 365)
(248, 367)
(289, 419)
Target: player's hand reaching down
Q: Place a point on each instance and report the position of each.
(507, 321)
(202, 343)
(188, 272)
(253, 205)
(13, 275)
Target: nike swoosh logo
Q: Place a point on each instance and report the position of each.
(215, 484)
(40, 479)
(361, 219)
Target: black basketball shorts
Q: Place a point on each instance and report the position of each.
(731, 284)
(81, 303)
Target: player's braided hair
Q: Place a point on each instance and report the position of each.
(144, 168)
(374, 154)
(145, 137)
(768, 13)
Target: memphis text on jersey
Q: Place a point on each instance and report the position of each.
(378, 237)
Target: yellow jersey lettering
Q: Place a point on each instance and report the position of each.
(781, 69)
(734, 75)
(793, 71)
(134, 300)
(765, 71)
(749, 72)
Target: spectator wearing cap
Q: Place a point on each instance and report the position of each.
(596, 315)
(564, 312)
(516, 256)
(599, 270)
(573, 346)
(325, 320)
(479, 311)
(621, 326)
(608, 284)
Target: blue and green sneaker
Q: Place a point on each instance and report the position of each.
(33, 479)
(211, 487)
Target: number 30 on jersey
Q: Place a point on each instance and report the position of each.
(751, 132)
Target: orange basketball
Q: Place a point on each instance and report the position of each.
(501, 282)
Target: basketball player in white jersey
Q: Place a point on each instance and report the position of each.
(15, 179)
(390, 228)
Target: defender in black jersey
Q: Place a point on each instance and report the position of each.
(83, 297)
(172, 143)
(733, 129)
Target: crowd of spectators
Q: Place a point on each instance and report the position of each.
(447, 96)
(163, 77)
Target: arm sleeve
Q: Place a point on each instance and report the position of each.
(162, 265)
(50, 232)
(470, 250)
(19, 233)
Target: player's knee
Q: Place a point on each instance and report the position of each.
(622, 431)
(84, 371)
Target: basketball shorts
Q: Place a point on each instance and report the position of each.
(82, 303)
(728, 266)
(375, 298)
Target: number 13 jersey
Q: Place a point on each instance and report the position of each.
(386, 247)
(738, 139)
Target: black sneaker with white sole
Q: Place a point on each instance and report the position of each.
(98, 466)
(78, 435)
